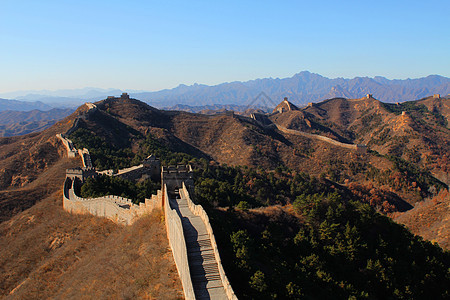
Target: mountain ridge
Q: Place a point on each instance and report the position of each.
(7, 104)
(301, 88)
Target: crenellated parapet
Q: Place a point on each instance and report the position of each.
(118, 209)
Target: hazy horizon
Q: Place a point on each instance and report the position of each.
(89, 88)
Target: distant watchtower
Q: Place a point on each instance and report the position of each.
(284, 106)
(125, 96)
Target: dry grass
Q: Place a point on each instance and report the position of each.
(49, 253)
(15, 200)
(430, 219)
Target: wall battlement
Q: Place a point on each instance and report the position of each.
(118, 209)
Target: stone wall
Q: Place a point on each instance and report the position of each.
(131, 173)
(148, 169)
(85, 157)
(199, 211)
(177, 242)
(359, 148)
(118, 209)
(71, 151)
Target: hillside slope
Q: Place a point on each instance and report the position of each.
(430, 219)
(416, 131)
(49, 253)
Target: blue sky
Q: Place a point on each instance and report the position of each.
(152, 45)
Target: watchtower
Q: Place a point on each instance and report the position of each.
(153, 167)
(174, 176)
(81, 173)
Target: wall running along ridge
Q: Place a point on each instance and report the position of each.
(359, 148)
(71, 151)
(85, 157)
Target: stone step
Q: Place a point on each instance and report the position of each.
(199, 279)
(202, 242)
(205, 255)
(194, 252)
(193, 257)
(205, 268)
(201, 275)
(195, 237)
(198, 247)
(199, 271)
(210, 284)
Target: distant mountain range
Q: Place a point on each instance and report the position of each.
(88, 93)
(60, 98)
(14, 122)
(8, 117)
(301, 88)
(6, 104)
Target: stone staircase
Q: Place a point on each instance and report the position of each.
(202, 262)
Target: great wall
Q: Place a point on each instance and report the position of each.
(285, 106)
(359, 148)
(189, 231)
